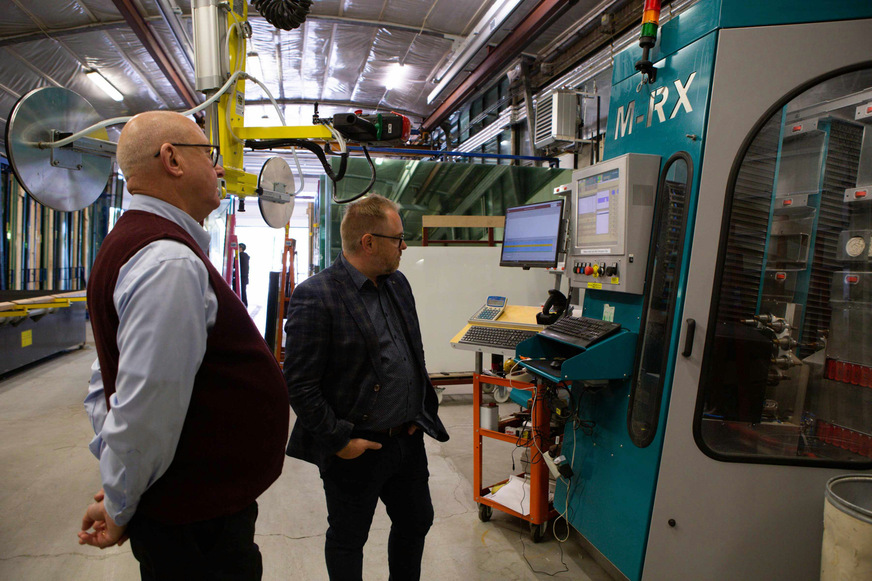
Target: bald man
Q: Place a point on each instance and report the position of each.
(188, 404)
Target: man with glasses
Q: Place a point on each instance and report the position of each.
(354, 367)
(187, 403)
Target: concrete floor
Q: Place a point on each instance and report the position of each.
(49, 476)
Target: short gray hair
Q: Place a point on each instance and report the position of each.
(362, 217)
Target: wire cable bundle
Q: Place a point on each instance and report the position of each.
(284, 14)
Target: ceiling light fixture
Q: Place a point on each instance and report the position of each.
(105, 85)
(395, 76)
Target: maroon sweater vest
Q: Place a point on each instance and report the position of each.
(232, 443)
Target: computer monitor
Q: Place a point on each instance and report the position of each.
(533, 235)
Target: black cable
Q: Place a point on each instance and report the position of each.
(284, 14)
(367, 188)
(313, 147)
(524, 545)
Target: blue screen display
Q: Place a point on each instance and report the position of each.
(532, 235)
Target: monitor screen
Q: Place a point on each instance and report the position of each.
(598, 206)
(532, 235)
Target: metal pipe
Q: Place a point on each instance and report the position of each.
(552, 161)
(170, 14)
(538, 20)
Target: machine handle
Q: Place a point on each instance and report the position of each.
(688, 337)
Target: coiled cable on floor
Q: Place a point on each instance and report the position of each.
(284, 14)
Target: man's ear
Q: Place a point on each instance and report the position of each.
(366, 243)
(170, 160)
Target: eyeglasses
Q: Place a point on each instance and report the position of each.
(214, 150)
(400, 239)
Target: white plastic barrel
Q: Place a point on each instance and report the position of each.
(846, 553)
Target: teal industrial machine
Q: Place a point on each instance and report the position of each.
(728, 232)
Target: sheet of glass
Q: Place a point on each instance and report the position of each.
(437, 188)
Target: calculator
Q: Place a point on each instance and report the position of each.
(490, 311)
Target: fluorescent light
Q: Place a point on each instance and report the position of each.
(105, 85)
(395, 76)
(253, 66)
(484, 29)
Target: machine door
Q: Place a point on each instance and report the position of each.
(773, 396)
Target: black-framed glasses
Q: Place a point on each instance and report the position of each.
(214, 150)
(400, 239)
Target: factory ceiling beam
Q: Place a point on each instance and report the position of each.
(69, 31)
(154, 47)
(351, 105)
(538, 20)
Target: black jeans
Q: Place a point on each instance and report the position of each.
(217, 549)
(398, 475)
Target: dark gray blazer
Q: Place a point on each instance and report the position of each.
(332, 362)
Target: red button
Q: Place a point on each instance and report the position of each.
(588, 270)
(797, 128)
(780, 275)
(852, 279)
(860, 194)
(787, 202)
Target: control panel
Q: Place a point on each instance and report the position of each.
(612, 214)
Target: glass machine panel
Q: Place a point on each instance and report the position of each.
(788, 371)
(646, 396)
(611, 223)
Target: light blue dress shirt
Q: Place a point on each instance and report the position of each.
(166, 308)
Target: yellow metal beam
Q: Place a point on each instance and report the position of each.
(13, 313)
(240, 183)
(301, 132)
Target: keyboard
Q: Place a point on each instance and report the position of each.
(580, 331)
(493, 337)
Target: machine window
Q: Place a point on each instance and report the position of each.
(787, 371)
(665, 265)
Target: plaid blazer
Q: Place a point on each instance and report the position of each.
(332, 362)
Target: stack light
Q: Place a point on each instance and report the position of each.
(650, 23)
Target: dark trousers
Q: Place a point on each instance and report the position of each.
(397, 474)
(217, 549)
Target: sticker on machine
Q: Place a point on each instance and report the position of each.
(240, 103)
(595, 251)
(596, 285)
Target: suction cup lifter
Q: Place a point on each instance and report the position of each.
(55, 162)
(60, 152)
